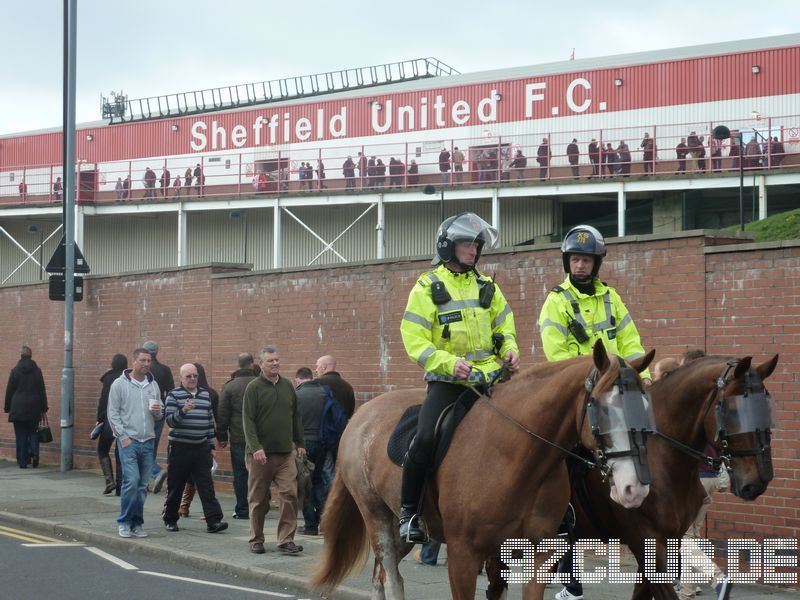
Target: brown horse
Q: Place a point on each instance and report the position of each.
(497, 478)
(685, 406)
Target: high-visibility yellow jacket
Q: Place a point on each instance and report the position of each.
(436, 336)
(603, 316)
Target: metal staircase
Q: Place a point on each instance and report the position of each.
(121, 110)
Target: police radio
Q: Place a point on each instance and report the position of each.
(578, 331)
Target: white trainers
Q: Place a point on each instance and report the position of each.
(125, 531)
(565, 594)
(138, 532)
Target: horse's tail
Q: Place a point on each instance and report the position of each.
(346, 546)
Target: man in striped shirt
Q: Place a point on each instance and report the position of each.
(191, 450)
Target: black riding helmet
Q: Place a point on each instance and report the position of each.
(466, 227)
(583, 239)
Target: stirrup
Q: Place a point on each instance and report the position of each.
(413, 530)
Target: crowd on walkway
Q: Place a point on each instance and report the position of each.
(282, 435)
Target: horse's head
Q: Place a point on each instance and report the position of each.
(618, 421)
(740, 422)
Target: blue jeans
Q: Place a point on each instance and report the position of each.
(314, 505)
(239, 479)
(430, 553)
(158, 427)
(27, 441)
(328, 472)
(137, 461)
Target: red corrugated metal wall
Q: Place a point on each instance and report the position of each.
(695, 80)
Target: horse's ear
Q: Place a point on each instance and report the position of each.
(641, 363)
(743, 367)
(766, 369)
(600, 357)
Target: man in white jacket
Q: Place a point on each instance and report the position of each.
(134, 404)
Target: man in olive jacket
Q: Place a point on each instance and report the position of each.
(26, 401)
(272, 430)
(229, 428)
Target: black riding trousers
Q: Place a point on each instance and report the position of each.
(440, 395)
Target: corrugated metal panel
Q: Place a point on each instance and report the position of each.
(11, 256)
(299, 247)
(658, 84)
(410, 229)
(115, 244)
(217, 237)
(526, 219)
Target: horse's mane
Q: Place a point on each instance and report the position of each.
(690, 368)
(533, 376)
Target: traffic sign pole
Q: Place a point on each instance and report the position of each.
(68, 373)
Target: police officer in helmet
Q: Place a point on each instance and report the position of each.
(459, 328)
(577, 313)
(584, 309)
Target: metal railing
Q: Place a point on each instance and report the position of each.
(120, 109)
(502, 160)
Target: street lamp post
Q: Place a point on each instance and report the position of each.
(429, 190)
(723, 133)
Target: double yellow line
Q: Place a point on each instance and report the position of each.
(25, 536)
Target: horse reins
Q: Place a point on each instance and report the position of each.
(589, 385)
(713, 462)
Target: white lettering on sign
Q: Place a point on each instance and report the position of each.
(387, 115)
(583, 106)
(532, 95)
(267, 131)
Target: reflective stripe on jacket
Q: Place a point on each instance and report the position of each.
(435, 337)
(603, 315)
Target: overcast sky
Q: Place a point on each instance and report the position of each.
(149, 47)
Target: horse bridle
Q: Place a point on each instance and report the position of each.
(754, 389)
(602, 457)
(634, 413)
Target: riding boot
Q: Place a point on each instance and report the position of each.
(108, 473)
(186, 500)
(412, 528)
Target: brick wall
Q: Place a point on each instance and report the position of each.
(688, 291)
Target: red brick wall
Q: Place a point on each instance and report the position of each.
(679, 295)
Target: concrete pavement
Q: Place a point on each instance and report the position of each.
(72, 505)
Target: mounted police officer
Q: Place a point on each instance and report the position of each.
(458, 327)
(584, 309)
(574, 316)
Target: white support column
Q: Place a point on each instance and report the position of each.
(762, 197)
(621, 210)
(79, 231)
(276, 236)
(496, 213)
(381, 253)
(183, 259)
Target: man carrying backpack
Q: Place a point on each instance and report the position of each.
(323, 423)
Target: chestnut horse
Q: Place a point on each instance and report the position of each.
(695, 405)
(499, 477)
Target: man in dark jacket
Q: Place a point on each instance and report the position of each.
(342, 391)
(349, 173)
(594, 158)
(230, 432)
(444, 165)
(311, 396)
(543, 158)
(574, 154)
(26, 401)
(163, 376)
